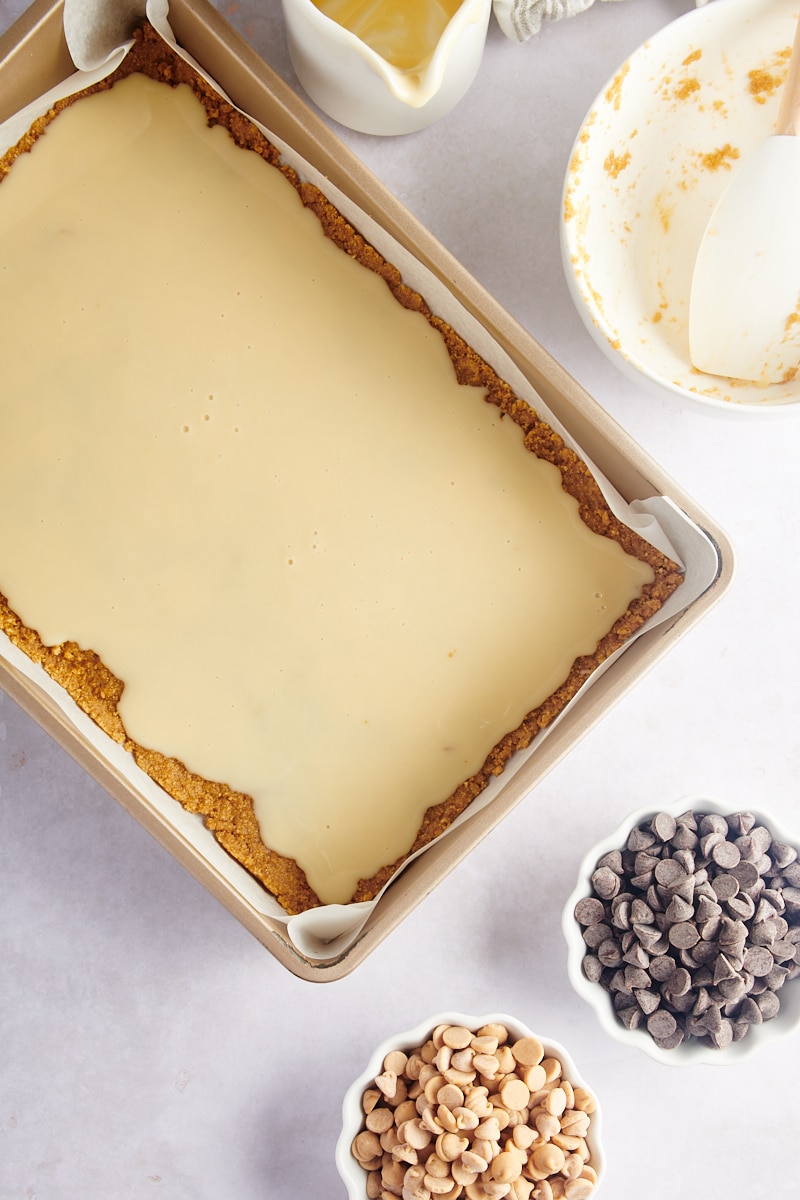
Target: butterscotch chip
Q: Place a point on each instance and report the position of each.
(494, 1030)
(456, 1037)
(379, 1120)
(488, 1130)
(450, 1146)
(387, 1083)
(367, 1146)
(395, 1062)
(450, 1095)
(578, 1189)
(528, 1052)
(548, 1158)
(436, 1167)
(534, 1077)
(506, 1167)
(547, 1124)
(446, 1119)
(487, 1064)
(474, 1162)
(514, 1093)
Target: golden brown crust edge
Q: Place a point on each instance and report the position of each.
(229, 815)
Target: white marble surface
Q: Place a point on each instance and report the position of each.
(150, 1047)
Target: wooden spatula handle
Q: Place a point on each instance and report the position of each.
(789, 115)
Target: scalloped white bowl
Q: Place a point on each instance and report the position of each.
(650, 161)
(690, 1051)
(353, 1174)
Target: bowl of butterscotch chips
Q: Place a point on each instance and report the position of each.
(479, 1107)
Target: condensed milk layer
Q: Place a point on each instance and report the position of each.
(232, 465)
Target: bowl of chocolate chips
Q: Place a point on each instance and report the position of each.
(683, 932)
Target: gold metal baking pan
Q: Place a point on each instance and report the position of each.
(33, 57)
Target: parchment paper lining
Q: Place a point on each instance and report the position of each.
(92, 27)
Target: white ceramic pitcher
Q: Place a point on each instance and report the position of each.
(358, 87)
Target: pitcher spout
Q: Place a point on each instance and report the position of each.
(386, 66)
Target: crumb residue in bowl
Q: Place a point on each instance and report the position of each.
(686, 88)
(712, 160)
(615, 163)
(665, 211)
(614, 89)
(764, 81)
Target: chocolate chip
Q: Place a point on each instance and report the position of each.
(649, 937)
(741, 822)
(684, 838)
(769, 1004)
(702, 1002)
(661, 1024)
(706, 909)
(612, 860)
(680, 982)
(782, 855)
(723, 1035)
(672, 1042)
(662, 968)
(711, 842)
(725, 886)
(664, 826)
(636, 977)
(782, 950)
(726, 855)
(684, 935)
(669, 873)
(741, 907)
(595, 935)
(589, 911)
(678, 910)
(641, 913)
(713, 823)
(723, 969)
(746, 874)
(647, 1000)
(605, 882)
(640, 839)
(631, 1017)
(750, 1012)
(637, 956)
(759, 960)
(610, 954)
(765, 912)
(592, 968)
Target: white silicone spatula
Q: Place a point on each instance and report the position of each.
(744, 310)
